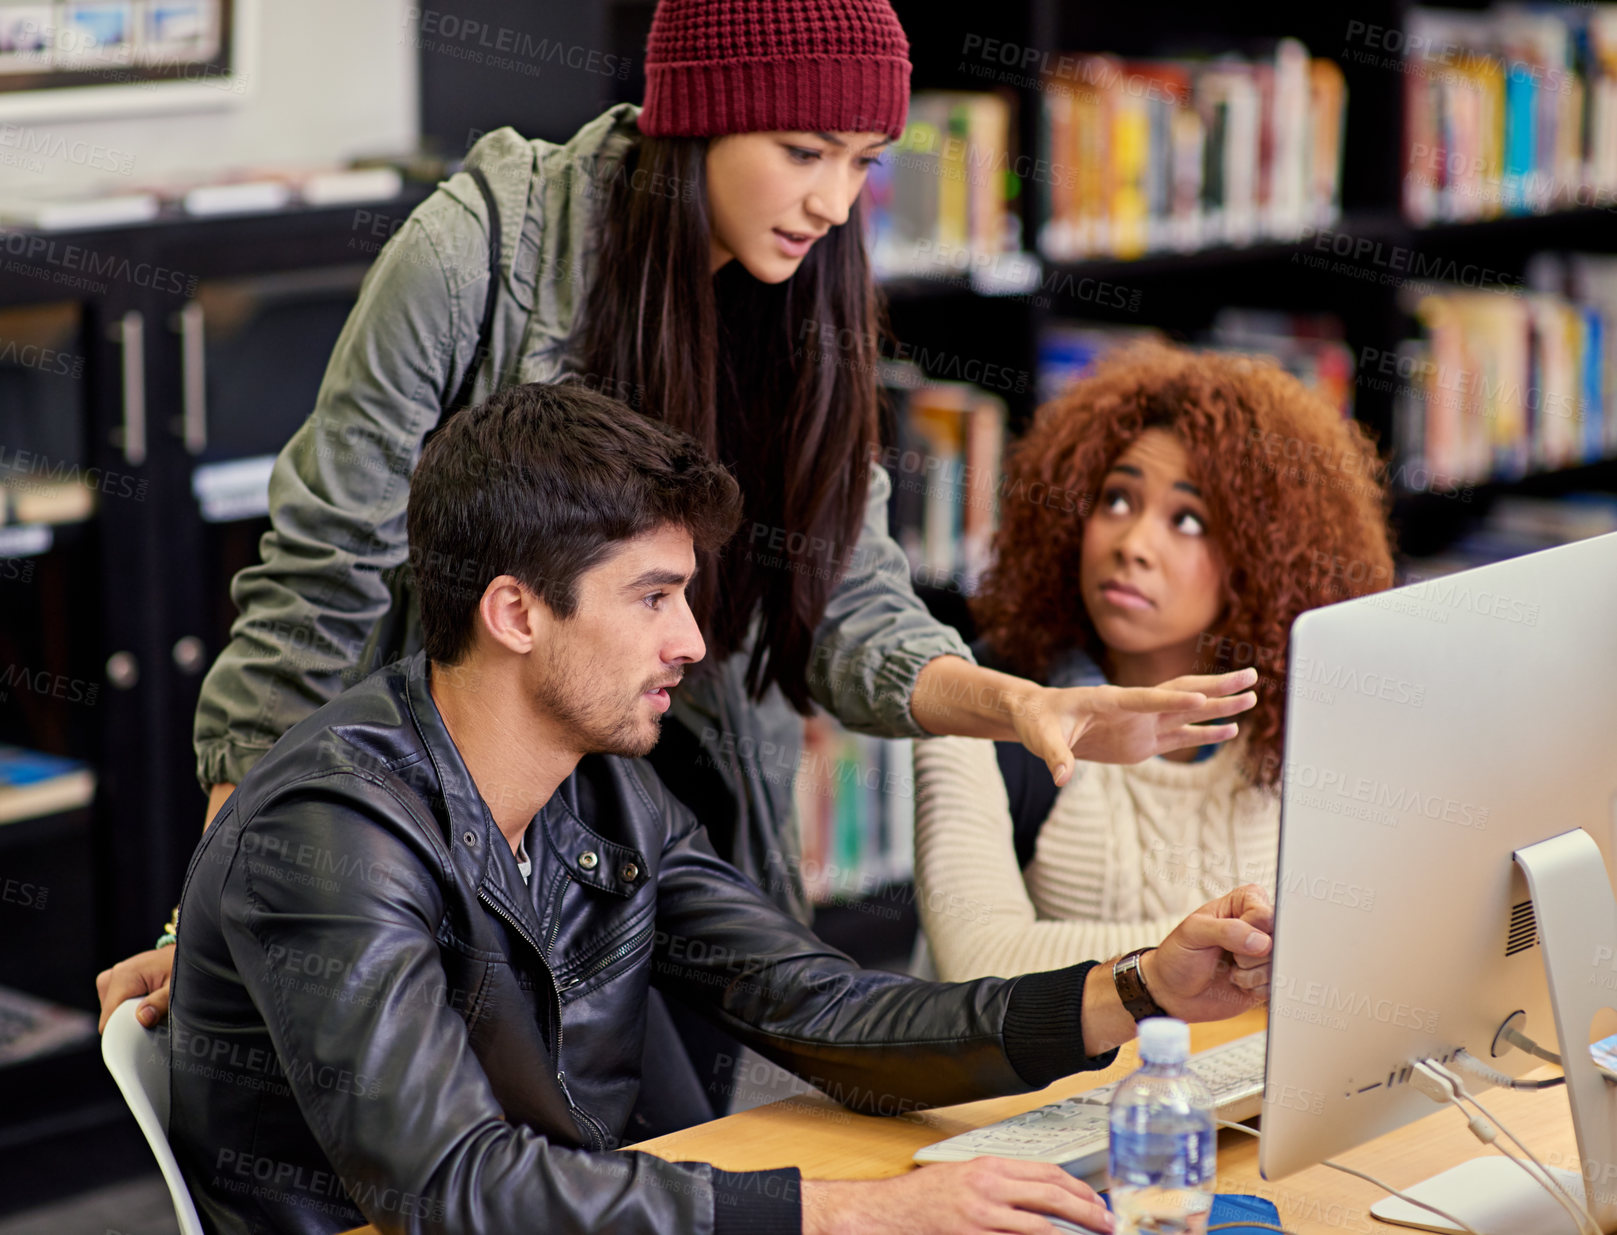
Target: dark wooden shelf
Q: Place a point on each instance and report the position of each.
(45, 829)
(1541, 226)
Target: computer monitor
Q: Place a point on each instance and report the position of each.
(1448, 810)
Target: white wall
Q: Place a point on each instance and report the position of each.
(329, 79)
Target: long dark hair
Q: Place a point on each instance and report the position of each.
(778, 382)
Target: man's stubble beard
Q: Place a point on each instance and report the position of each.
(570, 696)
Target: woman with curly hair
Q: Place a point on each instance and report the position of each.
(1171, 513)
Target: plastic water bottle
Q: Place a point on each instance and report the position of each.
(1163, 1145)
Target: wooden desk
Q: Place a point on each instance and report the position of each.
(827, 1142)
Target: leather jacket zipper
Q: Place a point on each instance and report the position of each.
(611, 958)
(555, 912)
(555, 992)
(597, 1130)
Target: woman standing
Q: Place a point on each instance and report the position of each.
(677, 256)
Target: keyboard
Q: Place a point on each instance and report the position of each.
(1074, 1132)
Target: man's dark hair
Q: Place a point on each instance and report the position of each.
(541, 482)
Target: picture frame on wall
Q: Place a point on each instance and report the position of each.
(85, 58)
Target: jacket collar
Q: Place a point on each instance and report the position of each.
(470, 830)
(596, 791)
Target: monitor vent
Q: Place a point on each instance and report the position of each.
(1403, 1075)
(1523, 929)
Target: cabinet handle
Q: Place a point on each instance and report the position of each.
(130, 334)
(190, 654)
(193, 362)
(123, 670)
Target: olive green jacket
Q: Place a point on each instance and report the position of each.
(329, 602)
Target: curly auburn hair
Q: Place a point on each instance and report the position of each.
(1295, 496)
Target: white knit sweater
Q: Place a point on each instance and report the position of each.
(1126, 853)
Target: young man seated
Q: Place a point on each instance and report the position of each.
(415, 945)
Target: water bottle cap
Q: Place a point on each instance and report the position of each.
(1164, 1040)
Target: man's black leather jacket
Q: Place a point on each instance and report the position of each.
(374, 1019)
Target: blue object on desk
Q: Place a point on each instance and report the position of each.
(1228, 1207)
(1234, 1207)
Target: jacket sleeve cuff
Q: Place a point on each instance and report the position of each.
(758, 1202)
(1044, 1026)
(221, 762)
(898, 674)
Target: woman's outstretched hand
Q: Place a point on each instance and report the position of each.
(1125, 724)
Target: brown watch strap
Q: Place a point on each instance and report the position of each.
(1130, 983)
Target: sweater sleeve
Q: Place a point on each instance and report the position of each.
(974, 906)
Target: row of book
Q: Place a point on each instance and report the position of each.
(1175, 155)
(944, 465)
(940, 199)
(1509, 111)
(1310, 347)
(1503, 384)
(855, 798)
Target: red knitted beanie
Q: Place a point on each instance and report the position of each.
(743, 66)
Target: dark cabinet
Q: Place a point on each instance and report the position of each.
(148, 376)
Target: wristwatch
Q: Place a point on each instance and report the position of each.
(1130, 983)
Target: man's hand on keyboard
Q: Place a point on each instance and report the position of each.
(954, 1198)
(1215, 964)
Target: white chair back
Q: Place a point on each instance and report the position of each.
(138, 1061)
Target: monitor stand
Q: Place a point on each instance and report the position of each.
(1493, 1195)
(1577, 928)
